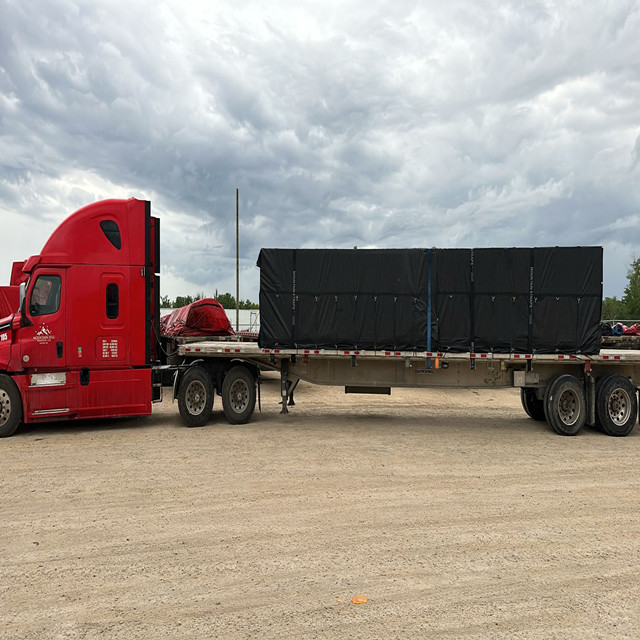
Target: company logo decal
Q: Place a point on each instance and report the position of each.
(44, 335)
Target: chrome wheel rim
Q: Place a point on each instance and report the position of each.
(5, 407)
(619, 406)
(239, 396)
(196, 398)
(569, 407)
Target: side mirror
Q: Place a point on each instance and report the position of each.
(22, 316)
(23, 295)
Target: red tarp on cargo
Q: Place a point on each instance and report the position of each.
(205, 317)
(9, 300)
(623, 330)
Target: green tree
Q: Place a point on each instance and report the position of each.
(229, 302)
(631, 297)
(613, 309)
(183, 301)
(226, 300)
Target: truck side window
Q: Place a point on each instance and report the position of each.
(112, 232)
(113, 301)
(45, 296)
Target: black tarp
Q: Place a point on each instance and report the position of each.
(544, 300)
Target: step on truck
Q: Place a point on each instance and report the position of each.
(84, 343)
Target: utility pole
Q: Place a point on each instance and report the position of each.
(237, 261)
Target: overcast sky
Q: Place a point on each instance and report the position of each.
(448, 123)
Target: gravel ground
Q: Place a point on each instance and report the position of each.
(451, 511)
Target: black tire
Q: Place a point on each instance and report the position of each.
(545, 399)
(239, 395)
(533, 406)
(599, 382)
(616, 406)
(565, 405)
(10, 407)
(524, 401)
(195, 397)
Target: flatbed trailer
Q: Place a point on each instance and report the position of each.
(568, 391)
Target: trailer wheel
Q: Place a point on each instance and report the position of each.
(533, 406)
(565, 404)
(10, 407)
(239, 395)
(195, 397)
(616, 406)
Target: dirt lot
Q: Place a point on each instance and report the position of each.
(451, 511)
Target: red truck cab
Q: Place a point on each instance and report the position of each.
(84, 340)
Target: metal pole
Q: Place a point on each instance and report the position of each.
(237, 261)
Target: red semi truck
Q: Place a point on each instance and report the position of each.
(83, 342)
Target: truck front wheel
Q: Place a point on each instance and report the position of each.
(10, 406)
(239, 395)
(195, 397)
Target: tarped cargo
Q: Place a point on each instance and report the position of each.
(541, 300)
(205, 317)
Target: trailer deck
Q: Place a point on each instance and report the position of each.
(566, 390)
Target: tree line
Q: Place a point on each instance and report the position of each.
(627, 307)
(225, 299)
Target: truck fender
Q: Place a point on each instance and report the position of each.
(255, 371)
(177, 376)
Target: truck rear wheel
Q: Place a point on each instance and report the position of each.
(616, 406)
(533, 406)
(195, 397)
(10, 406)
(239, 395)
(565, 404)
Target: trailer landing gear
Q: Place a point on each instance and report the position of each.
(287, 387)
(284, 385)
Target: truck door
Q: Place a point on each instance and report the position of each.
(43, 339)
(51, 391)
